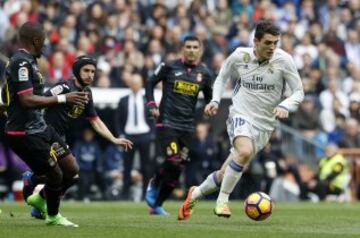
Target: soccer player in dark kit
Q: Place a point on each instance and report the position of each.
(26, 131)
(182, 80)
(61, 116)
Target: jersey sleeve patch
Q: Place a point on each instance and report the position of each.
(157, 70)
(57, 90)
(23, 74)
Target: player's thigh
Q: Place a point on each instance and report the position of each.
(168, 142)
(241, 135)
(184, 144)
(34, 150)
(59, 148)
(243, 147)
(69, 166)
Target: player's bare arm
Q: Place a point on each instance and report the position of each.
(100, 127)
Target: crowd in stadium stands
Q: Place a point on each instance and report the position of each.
(133, 36)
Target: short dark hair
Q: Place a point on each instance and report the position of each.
(30, 30)
(191, 38)
(266, 27)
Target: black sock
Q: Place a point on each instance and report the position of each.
(171, 171)
(36, 179)
(52, 200)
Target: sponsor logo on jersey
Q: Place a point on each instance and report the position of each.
(23, 74)
(178, 74)
(257, 84)
(186, 88)
(56, 90)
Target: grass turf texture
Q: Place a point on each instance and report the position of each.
(126, 219)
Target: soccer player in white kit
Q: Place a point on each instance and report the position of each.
(261, 74)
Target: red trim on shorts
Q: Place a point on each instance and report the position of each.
(25, 91)
(16, 133)
(93, 118)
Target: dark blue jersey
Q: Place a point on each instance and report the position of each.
(181, 86)
(23, 76)
(61, 115)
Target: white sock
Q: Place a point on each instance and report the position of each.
(232, 176)
(208, 186)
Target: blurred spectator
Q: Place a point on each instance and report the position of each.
(88, 154)
(59, 68)
(203, 155)
(332, 101)
(333, 174)
(351, 138)
(131, 122)
(352, 47)
(306, 121)
(113, 168)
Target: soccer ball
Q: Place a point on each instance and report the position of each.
(258, 206)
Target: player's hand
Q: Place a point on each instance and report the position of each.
(281, 113)
(211, 108)
(124, 143)
(78, 98)
(152, 110)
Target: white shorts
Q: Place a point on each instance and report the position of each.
(238, 126)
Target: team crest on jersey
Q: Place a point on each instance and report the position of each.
(23, 74)
(246, 57)
(199, 77)
(75, 112)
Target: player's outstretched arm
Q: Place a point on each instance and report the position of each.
(100, 127)
(31, 100)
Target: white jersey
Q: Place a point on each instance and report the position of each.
(259, 88)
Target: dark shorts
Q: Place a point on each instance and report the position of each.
(39, 151)
(174, 142)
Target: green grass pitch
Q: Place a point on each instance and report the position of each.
(126, 219)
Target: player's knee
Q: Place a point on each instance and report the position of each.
(242, 157)
(73, 171)
(75, 178)
(55, 177)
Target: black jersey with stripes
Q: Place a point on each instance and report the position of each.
(23, 76)
(61, 116)
(181, 86)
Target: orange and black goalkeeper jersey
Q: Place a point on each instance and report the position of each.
(23, 76)
(181, 86)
